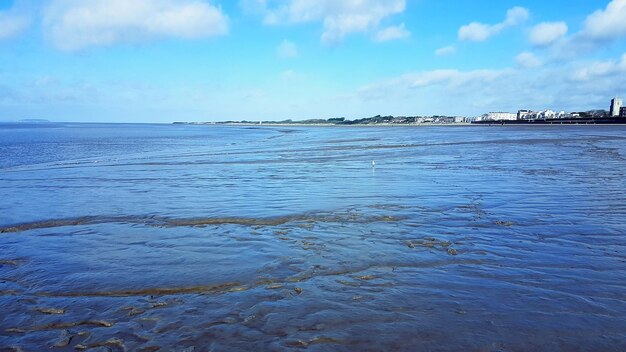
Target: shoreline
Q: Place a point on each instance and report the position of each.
(336, 125)
(494, 124)
(318, 124)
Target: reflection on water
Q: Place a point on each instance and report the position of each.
(131, 237)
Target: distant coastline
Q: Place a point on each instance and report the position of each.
(34, 121)
(615, 116)
(369, 121)
(420, 121)
(573, 121)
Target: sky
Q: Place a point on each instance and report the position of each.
(216, 60)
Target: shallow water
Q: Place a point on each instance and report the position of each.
(139, 237)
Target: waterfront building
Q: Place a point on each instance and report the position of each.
(523, 114)
(547, 114)
(616, 105)
(622, 112)
(500, 116)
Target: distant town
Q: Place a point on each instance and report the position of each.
(615, 115)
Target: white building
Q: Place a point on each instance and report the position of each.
(547, 114)
(539, 115)
(500, 116)
(616, 104)
(523, 114)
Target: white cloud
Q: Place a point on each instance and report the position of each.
(547, 33)
(527, 60)
(76, 24)
(516, 16)
(450, 78)
(570, 86)
(428, 91)
(601, 69)
(607, 24)
(339, 18)
(253, 7)
(12, 23)
(287, 50)
(11, 26)
(446, 51)
(392, 33)
(479, 32)
(599, 29)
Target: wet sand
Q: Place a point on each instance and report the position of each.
(288, 239)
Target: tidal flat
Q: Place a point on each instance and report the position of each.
(242, 238)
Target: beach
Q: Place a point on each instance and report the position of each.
(237, 238)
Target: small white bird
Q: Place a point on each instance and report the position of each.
(373, 163)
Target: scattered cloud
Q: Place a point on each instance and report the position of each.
(12, 23)
(339, 18)
(479, 32)
(547, 33)
(427, 92)
(287, 50)
(598, 30)
(446, 51)
(516, 16)
(11, 26)
(527, 60)
(392, 33)
(76, 24)
(253, 7)
(600, 70)
(450, 78)
(607, 24)
(572, 86)
(574, 69)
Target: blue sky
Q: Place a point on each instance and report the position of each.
(200, 60)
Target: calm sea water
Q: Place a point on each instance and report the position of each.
(142, 237)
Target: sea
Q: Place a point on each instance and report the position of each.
(158, 237)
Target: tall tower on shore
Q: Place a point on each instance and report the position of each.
(616, 104)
